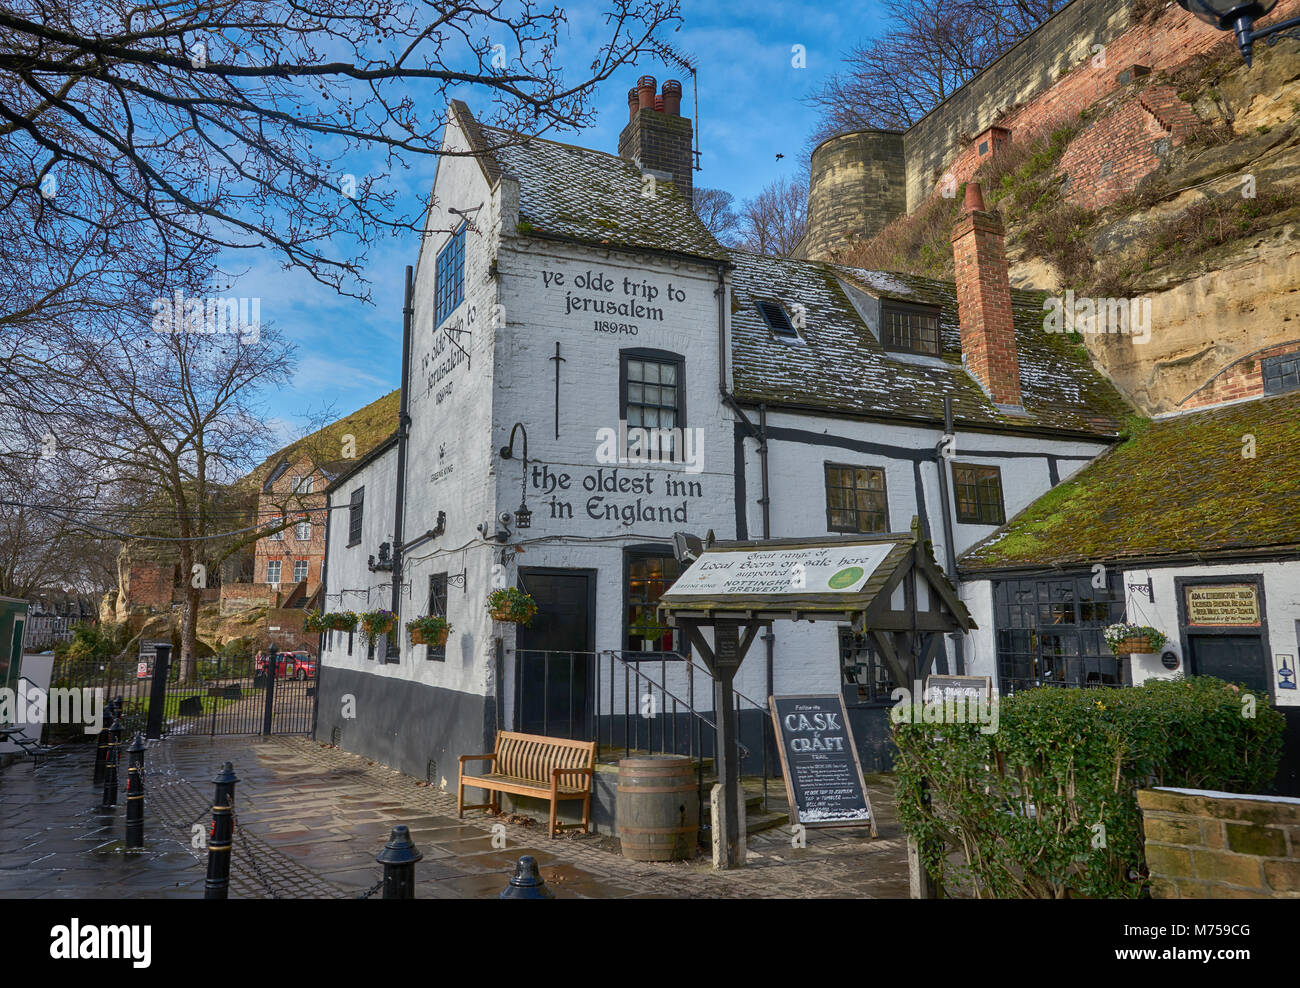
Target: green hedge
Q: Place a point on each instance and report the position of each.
(1071, 759)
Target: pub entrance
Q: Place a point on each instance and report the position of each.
(555, 664)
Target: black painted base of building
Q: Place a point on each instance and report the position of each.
(417, 729)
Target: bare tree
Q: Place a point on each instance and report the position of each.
(928, 53)
(773, 221)
(714, 208)
(230, 124)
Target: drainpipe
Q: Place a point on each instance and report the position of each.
(769, 637)
(403, 427)
(950, 551)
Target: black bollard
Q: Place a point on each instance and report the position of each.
(527, 883)
(135, 793)
(221, 840)
(101, 754)
(398, 858)
(110, 762)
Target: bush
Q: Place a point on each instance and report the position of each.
(1046, 807)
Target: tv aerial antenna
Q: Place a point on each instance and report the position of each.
(688, 63)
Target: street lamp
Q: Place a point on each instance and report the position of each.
(1239, 16)
(523, 517)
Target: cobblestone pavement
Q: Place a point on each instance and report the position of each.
(312, 818)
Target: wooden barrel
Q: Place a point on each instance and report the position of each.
(658, 808)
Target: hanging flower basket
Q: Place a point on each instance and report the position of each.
(429, 630)
(376, 623)
(513, 605)
(341, 621)
(1128, 639)
(314, 621)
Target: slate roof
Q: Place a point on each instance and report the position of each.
(590, 196)
(1179, 487)
(842, 366)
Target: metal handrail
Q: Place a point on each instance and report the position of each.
(690, 707)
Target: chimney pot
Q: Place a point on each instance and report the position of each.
(659, 104)
(672, 97)
(974, 198)
(633, 102)
(646, 91)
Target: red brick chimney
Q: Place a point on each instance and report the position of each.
(988, 334)
(657, 135)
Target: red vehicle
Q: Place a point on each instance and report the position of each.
(289, 665)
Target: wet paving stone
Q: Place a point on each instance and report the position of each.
(310, 820)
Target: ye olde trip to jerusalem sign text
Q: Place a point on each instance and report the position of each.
(822, 776)
(598, 293)
(1231, 605)
(826, 569)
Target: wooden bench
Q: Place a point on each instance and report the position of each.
(533, 765)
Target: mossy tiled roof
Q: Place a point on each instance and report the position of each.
(1177, 486)
(841, 364)
(594, 197)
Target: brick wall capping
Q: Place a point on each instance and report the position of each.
(1249, 807)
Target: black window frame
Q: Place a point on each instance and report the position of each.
(438, 607)
(664, 358)
(674, 639)
(1048, 631)
(986, 511)
(356, 515)
(449, 277)
(1280, 373)
(855, 646)
(883, 492)
(890, 341)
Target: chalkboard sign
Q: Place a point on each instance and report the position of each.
(823, 778)
(958, 687)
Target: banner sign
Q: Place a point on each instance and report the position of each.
(818, 570)
(1229, 605)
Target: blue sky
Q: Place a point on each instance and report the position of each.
(750, 109)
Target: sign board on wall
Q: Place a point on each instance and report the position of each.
(1226, 605)
(823, 777)
(148, 653)
(958, 687)
(818, 570)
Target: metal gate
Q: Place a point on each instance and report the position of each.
(222, 696)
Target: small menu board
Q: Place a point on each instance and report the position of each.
(823, 777)
(943, 687)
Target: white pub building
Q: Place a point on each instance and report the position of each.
(565, 298)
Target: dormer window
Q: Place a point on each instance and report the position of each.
(777, 318)
(909, 328)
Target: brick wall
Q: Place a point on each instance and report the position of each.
(1211, 845)
(1243, 379)
(1053, 75)
(661, 142)
(1114, 153)
(244, 596)
(150, 585)
(289, 548)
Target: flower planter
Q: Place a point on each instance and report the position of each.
(1130, 646)
(435, 640)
